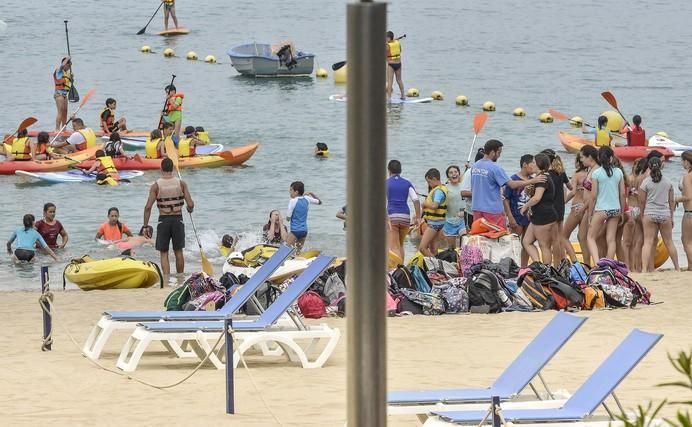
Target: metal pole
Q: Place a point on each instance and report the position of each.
(366, 167)
(494, 407)
(47, 321)
(230, 394)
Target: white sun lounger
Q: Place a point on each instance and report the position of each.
(202, 335)
(112, 321)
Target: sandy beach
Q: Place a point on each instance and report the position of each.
(64, 388)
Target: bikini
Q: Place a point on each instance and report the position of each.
(687, 213)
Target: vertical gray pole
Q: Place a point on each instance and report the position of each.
(230, 393)
(366, 234)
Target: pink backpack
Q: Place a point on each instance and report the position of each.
(470, 255)
(215, 298)
(312, 305)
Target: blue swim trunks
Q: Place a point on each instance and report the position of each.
(299, 234)
(453, 228)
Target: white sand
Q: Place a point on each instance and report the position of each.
(62, 387)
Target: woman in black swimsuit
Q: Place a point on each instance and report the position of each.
(394, 65)
(542, 215)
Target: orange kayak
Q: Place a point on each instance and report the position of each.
(573, 144)
(10, 167)
(66, 133)
(232, 157)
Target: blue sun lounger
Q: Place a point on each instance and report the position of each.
(248, 333)
(127, 320)
(519, 374)
(584, 401)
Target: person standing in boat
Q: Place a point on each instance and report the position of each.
(173, 111)
(394, 65)
(62, 79)
(169, 12)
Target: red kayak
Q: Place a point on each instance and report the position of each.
(573, 143)
(66, 133)
(232, 157)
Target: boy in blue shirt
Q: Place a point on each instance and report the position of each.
(297, 213)
(434, 212)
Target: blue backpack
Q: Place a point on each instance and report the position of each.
(423, 284)
(578, 273)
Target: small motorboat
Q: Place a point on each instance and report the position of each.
(264, 60)
(662, 141)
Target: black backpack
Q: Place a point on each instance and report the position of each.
(483, 290)
(449, 255)
(402, 278)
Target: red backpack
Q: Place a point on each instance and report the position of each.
(312, 305)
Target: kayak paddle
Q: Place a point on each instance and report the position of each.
(140, 32)
(23, 125)
(562, 116)
(172, 154)
(163, 110)
(610, 99)
(73, 95)
(86, 99)
(478, 122)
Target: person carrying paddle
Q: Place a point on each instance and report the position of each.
(107, 118)
(169, 12)
(81, 139)
(636, 135)
(173, 111)
(602, 134)
(20, 148)
(170, 194)
(27, 237)
(154, 147)
(394, 65)
(62, 79)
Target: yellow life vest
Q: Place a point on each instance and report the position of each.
(107, 166)
(65, 82)
(440, 212)
(21, 150)
(394, 50)
(603, 137)
(185, 148)
(203, 136)
(89, 139)
(151, 149)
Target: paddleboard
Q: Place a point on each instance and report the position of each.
(72, 176)
(662, 141)
(342, 98)
(174, 32)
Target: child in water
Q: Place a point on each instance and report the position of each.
(26, 238)
(113, 230)
(128, 245)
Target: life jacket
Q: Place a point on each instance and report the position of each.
(170, 198)
(440, 212)
(65, 82)
(21, 149)
(186, 148)
(171, 106)
(203, 136)
(169, 2)
(394, 51)
(603, 137)
(112, 148)
(108, 125)
(151, 149)
(89, 139)
(636, 137)
(41, 148)
(107, 167)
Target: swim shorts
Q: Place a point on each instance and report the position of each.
(170, 228)
(396, 66)
(454, 229)
(299, 234)
(24, 254)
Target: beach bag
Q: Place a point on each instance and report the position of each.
(533, 290)
(615, 294)
(456, 299)
(564, 295)
(614, 265)
(483, 290)
(201, 283)
(406, 306)
(470, 255)
(436, 278)
(390, 302)
(421, 280)
(312, 305)
(593, 298)
(578, 274)
(520, 302)
(449, 255)
(209, 301)
(265, 295)
(176, 299)
(431, 304)
(229, 280)
(495, 249)
(640, 294)
(341, 306)
(402, 278)
(564, 268)
(417, 260)
(441, 266)
(333, 288)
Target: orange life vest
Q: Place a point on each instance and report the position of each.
(108, 125)
(170, 102)
(65, 82)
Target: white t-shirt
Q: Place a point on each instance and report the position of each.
(76, 138)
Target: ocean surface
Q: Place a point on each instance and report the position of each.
(537, 56)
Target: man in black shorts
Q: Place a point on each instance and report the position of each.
(170, 194)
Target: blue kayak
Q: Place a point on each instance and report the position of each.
(73, 176)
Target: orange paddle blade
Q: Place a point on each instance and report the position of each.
(171, 151)
(610, 99)
(558, 115)
(26, 123)
(86, 97)
(478, 122)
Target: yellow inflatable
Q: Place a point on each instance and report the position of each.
(615, 121)
(660, 257)
(113, 273)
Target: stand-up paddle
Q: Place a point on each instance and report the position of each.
(610, 99)
(163, 110)
(23, 125)
(86, 98)
(140, 32)
(172, 154)
(478, 122)
(73, 95)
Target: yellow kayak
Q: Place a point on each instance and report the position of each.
(112, 273)
(660, 257)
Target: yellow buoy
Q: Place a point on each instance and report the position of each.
(211, 59)
(545, 118)
(488, 106)
(461, 100)
(615, 121)
(191, 55)
(437, 95)
(576, 122)
(340, 74)
(146, 49)
(412, 92)
(662, 133)
(519, 112)
(168, 52)
(321, 73)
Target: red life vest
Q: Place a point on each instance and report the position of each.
(636, 137)
(170, 102)
(63, 83)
